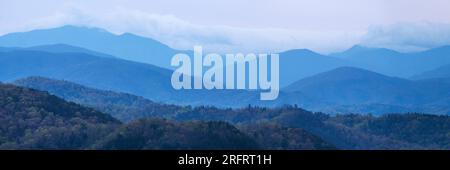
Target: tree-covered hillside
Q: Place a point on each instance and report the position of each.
(32, 119)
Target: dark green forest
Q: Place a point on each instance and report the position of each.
(58, 115)
(32, 119)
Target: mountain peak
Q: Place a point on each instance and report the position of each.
(346, 71)
(81, 28)
(361, 48)
(358, 47)
(347, 75)
(302, 52)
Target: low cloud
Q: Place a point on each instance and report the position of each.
(181, 34)
(408, 36)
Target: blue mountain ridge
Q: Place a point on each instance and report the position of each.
(127, 46)
(360, 79)
(294, 64)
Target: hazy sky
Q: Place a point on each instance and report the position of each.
(248, 25)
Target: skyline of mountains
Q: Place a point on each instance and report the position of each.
(358, 80)
(342, 90)
(127, 46)
(295, 64)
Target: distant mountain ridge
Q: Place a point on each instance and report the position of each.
(440, 72)
(101, 72)
(310, 80)
(342, 90)
(56, 48)
(127, 46)
(349, 87)
(294, 64)
(393, 63)
(301, 63)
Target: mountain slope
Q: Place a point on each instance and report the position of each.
(298, 64)
(163, 134)
(123, 106)
(354, 90)
(284, 137)
(394, 63)
(115, 74)
(296, 129)
(63, 48)
(348, 85)
(440, 72)
(126, 46)
(99, 72)
(425, 130)
(32, 119)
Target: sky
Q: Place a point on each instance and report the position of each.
(324, 26)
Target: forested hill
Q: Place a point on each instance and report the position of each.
(32, 119)
(394, 131)
(123, 106)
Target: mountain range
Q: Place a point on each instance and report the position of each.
(348, 87)
(294, 64)
(341, 90)
(127, 46)
(358, 80)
